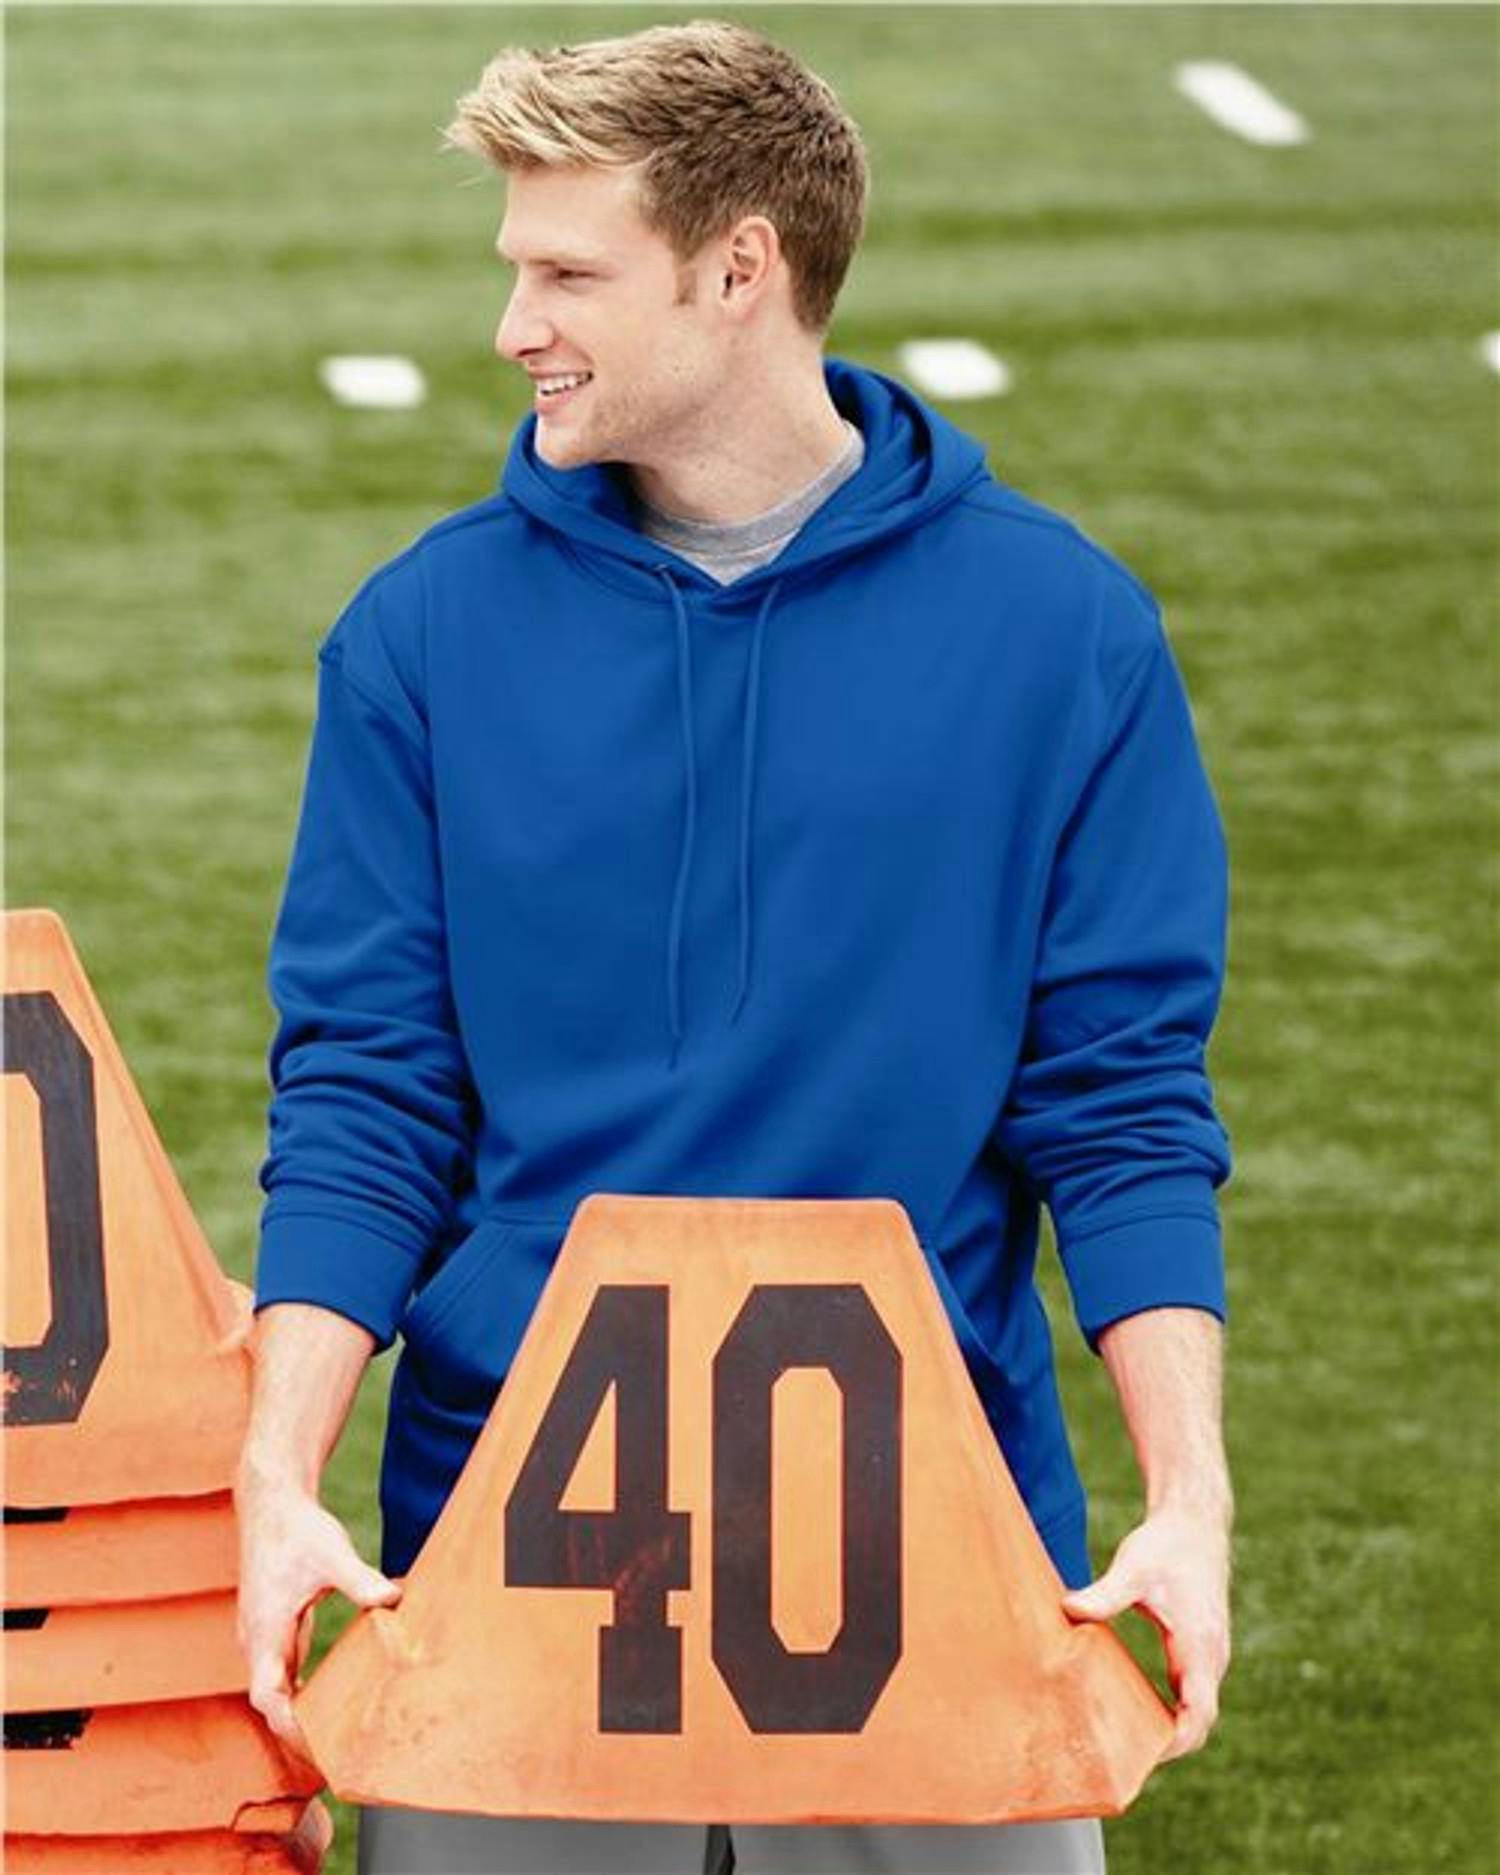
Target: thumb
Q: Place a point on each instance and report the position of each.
(1114, 1592)
(364, 1586)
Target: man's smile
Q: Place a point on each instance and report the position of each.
(555, 389)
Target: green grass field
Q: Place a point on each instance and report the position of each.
(1252, 373)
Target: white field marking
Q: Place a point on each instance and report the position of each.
(1489, 350)
(955, 368)
(374, 383)
(1235, 100)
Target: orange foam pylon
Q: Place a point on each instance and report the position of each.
(186, 1765)
(126, 1373)
(120, 1552)
(199, 1852)
(123, 1653)
(737, 1542)
(278, 1815)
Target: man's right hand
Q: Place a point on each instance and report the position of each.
(292, 1553)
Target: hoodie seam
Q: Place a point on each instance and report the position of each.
(1197, 1214)
(333, 657)
(493, 508)
(1117, 712)
(648, 597)
(692, 577)
(329, 1214)
(489, 512)
(1059, 524)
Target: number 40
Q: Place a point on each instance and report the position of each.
(640, 1548)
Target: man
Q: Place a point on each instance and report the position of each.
(753, 797)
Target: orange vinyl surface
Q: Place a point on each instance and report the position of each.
(126, 1372)
(204, 1852)
(125, 1654)
(188, 1765)
(295, 1851)
(831, 1603)
(101, 1553)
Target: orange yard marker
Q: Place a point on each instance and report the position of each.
(125, 1370)
(737, 1541)
(186, 1765)
(122, 1653)
(120, 1552)
(200, 1852)
(126, 1393)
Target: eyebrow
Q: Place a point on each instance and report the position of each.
(555, 259)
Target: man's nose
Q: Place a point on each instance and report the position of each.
(522, 327)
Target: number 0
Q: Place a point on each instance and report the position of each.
(48, 1381)
(832, 1326)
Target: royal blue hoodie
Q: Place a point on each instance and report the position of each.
(888, 870)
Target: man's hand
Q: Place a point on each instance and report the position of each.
(307, 1366)
(1167, 1367)
(1175, 1567)
(292, 1552)
(308, 1844)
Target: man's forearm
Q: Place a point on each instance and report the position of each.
(1167, 1367)
(308, 1364)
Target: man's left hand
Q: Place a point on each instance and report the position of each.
(1175, 1567)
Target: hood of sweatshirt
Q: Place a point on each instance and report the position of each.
(915, 464)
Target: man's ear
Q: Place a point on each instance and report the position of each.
(751, 255)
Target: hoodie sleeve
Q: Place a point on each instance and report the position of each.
(370, 1129)
(1110, 1116)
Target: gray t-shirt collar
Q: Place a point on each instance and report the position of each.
(725, 549)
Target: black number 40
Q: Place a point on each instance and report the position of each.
(640, 1548)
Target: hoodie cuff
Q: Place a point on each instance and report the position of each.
(1153, 1259)
(308, 1256)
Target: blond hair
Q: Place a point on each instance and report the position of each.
(724, 123)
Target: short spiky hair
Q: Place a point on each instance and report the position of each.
(724, 123)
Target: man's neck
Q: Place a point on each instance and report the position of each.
(776, 437)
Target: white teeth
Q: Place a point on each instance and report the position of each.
(549, 386)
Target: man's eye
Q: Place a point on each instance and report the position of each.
(571, 273)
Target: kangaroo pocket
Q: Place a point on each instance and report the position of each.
(427, 1446)
(465, 1324)
(1020, 1400)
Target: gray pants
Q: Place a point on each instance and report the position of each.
(428, 1842)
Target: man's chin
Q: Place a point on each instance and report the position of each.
(559, 450)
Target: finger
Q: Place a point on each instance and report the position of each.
(305, 1630)
(274, 1638)
(265, 1632)
(364, 1586)
(311, 1840)
(271, 1697)
(270, 1689)
(1115, 1591)
(1197, 1649)
(1197, 1714)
